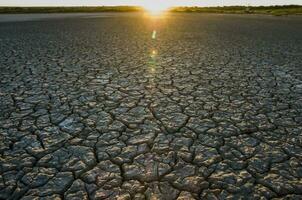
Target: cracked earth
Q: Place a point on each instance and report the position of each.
(93, 107)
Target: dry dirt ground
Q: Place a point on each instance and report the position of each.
(93, 107)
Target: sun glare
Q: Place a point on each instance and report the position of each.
(156, 7)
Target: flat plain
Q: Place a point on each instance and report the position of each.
(126, 106)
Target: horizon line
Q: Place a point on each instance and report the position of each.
(124, 5)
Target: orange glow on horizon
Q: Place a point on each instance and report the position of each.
(156, 7)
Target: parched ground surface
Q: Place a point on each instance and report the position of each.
(93, 108)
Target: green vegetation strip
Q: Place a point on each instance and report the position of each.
(8, 10)
(272, 10)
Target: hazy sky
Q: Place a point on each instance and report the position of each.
(137, 2)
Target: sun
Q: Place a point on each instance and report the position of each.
(156, 7)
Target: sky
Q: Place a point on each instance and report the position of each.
(138, 2)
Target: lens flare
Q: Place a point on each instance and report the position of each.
(153, 53)
(154, 35)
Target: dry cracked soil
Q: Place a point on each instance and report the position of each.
(94, 107)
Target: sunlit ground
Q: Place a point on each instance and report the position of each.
(155, 13)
